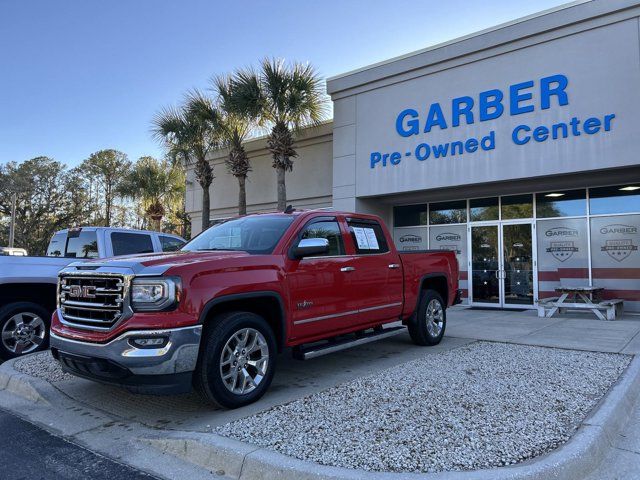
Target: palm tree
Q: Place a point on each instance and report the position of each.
(189, 133)
(234, 128)
(284, 97)
(157, 185)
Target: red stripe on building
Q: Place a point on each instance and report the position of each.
(631, 295)
(556, 275)
(616, 273)
(464, 275)
(547, 294)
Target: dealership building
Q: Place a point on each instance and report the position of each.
(518, 147)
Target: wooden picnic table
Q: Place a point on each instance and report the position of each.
(581, 298)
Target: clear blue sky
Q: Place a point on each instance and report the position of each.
(77, 76)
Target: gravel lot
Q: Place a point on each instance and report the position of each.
(479, 406)
(42, 365)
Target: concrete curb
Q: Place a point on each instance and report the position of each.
(18, 383)
(233, 459)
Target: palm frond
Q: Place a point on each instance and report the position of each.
(246, 94)
(200, 108)
(166, 122)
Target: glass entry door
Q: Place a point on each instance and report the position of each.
(517, 264)
(502, 265)
(485, 265)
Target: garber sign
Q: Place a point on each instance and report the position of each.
(517, 99)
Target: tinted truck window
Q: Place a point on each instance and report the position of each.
(82, 245)
(170, 244)
(328, 230)
(57, 245)
(129, 243)
(368, 237)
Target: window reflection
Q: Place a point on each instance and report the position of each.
(618, 199)
(448, 212)
(410, 215)
(566, 203)
(517, 206)
(481, 209)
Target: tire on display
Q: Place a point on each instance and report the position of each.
(24, 328)
(237, 360)
(428, 325)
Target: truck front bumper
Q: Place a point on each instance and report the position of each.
(163, 369)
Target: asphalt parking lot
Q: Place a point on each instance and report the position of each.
(27, 451)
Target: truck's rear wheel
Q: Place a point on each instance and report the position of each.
(428, 325)
(237, 360)
(24, 328)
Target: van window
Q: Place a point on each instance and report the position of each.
(368, 237)
(171, 244)
(125, 243)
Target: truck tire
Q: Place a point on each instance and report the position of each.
(428, 325)
(24, 328)
(237, 360)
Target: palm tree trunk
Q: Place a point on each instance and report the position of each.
(204, 175)
(242, 195)
(206, 202)
(282, 187)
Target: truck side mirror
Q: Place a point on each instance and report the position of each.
(311, 246)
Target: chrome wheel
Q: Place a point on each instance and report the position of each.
(23, 333)
(244, 361)
(434, 317)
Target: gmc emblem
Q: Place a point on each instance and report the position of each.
(85, 291)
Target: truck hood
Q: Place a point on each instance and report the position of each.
(155, 263)
(15, 269)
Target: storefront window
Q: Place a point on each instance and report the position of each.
(563, 258)
(619, 199)
(481, 209)
(452, 237)
(567, 203)
(410, 238)
(517, 206)
(410, 215)
(448, 212)
(615, 258)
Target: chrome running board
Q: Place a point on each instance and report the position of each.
(305, 352)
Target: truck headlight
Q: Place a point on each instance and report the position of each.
(154, 294)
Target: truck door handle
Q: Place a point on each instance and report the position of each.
(347, 269)
(394, 265)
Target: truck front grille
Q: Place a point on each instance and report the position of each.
(92, 301)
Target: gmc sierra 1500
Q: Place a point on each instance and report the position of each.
(216, 314)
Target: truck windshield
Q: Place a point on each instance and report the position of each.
(255, 235)
(82, 244)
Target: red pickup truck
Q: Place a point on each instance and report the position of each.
(215, 314)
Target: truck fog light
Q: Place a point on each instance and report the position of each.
(149, 342)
